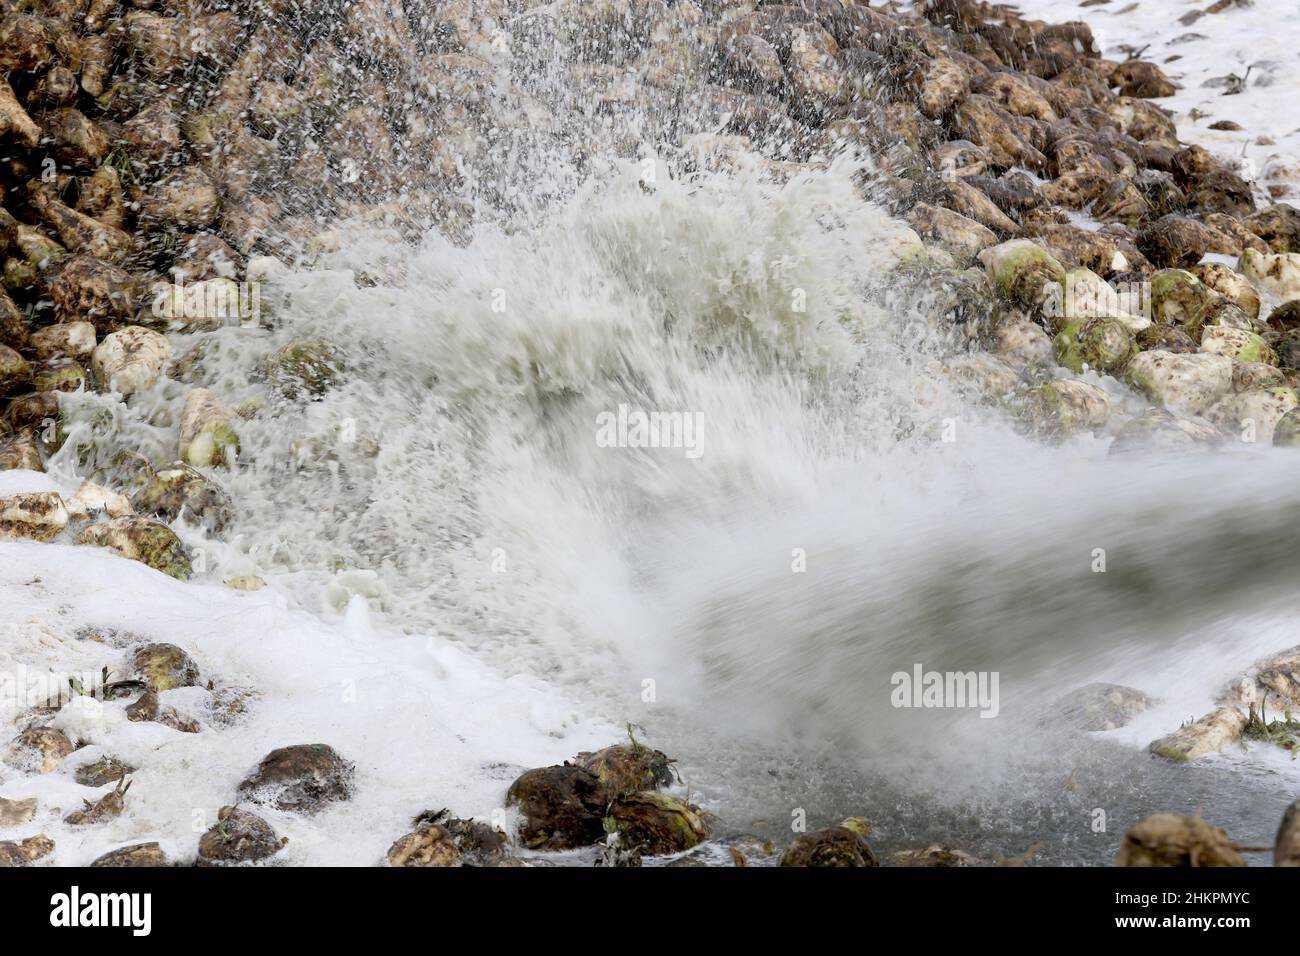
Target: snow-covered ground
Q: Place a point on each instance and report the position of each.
(1259, 41)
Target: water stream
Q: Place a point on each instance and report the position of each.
(747, 606)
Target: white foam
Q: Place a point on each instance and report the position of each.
(427, 725)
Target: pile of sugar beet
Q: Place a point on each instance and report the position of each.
(209, 143)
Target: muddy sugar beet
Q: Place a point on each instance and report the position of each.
(754, 349)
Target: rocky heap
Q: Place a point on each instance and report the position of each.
(614, 791)
(1099, 240)
(156, 152)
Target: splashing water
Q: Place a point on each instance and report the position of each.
(456, 480)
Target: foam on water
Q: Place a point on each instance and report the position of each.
(456, 483)
(473, 391)
(426, 724)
